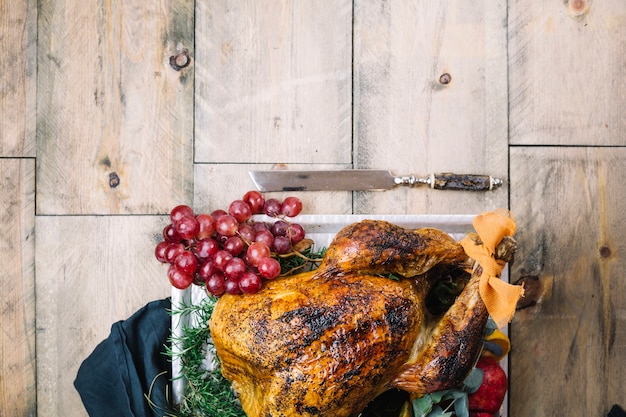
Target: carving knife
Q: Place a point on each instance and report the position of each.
(366, 179)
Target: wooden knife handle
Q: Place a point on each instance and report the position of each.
(467, 182)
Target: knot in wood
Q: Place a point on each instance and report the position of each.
(180, 61)
(577, 8)
(605, 251)
(114, 180)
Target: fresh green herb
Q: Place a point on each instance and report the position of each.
(450, 402)
(393, 277)
(207, 392)
(303, 260)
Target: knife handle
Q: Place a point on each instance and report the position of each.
(466, 182)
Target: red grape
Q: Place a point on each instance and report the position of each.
(272, 207)
(179, 279)
(269, 268)
(257, 251)
(234, 245)
(235, 268)
(246, 232)
(250, 283)
(244, 256)
(282, 245)
(216, 214)
(226, 225)
(279, 228)
(232, 287)
(206, 226)
(255, 200)
(159, 251)
(172, 251)
(216, 284)
(260, 226)
(170, 234)
(266, 237)
(221, 258)
(221, 239)
(180, 211)
(207, 269)
(186, 262)
(187, 227)
(291, 207)
(240, 210)
(207, 248)
(295, 233)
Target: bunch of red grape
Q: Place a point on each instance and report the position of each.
(226, 251)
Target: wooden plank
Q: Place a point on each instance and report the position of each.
(18, 57)
(86, 281)
(567, 72)
(217, 185)
(273, 81)
(569, 344)
(430, 96)
(115, 119)
(17, 286)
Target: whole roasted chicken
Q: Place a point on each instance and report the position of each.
(327, 342)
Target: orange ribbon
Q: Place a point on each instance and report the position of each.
(500, 297)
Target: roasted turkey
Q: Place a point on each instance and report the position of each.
(327, 342)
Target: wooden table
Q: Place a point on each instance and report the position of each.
(112, 114)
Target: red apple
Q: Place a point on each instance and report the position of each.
(486, 401)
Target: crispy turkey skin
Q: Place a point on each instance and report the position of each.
(327, 342)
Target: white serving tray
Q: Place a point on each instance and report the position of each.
(322, 229)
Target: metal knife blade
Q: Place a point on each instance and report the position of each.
(365, 180)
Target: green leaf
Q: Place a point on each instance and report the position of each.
(438, 396)
(432, 405)
(439, 412)
(490, 327)
(422, 406)
(461, 406)
(473, 380)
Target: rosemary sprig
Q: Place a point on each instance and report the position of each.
(302, 260)
(207, 393)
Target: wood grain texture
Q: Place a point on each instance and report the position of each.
(17, 288)
(430, 96)
(569, 346)
(18, 57)
(115, 120)
(273, 81)
(91, 272)
(216, 185)
(567, 72)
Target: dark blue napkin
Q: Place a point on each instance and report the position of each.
(119, 373)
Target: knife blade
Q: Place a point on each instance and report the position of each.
(366, 180)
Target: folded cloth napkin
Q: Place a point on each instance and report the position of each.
(500, 297)
(118, 375)
(616, 411)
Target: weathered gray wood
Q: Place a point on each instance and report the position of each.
(18, 57)
(567, 72)
(569, 348)
(17, 288)
(273, 81)
(430, 95)
(217, 185)
(115, 119)
(91, 272)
